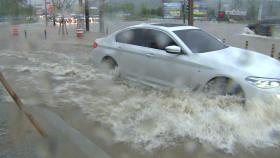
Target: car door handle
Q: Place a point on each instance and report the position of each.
(149, 55)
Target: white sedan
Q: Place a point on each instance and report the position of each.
(173, 55)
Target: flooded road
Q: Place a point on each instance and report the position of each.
(129, 119)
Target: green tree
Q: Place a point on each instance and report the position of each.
(108, 8)
(252, 11)
(127, 7)
(15, 8)
(211, 13)
(237, 4)
(159, 11)
(144, 10)
(60, 5)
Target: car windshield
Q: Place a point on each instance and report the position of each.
(199, 41)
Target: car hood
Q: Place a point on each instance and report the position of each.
(249, 62)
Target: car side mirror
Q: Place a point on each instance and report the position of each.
(173, 49)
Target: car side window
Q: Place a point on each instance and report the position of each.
(141, 36)
(159, 40)
(125, 37)
(145, 38)
(134, 36)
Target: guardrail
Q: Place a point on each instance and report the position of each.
(272, 50)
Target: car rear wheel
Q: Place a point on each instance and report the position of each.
(224, 87)
(109, 64)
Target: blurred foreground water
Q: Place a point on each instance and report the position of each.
(142, 116)
(129, 119)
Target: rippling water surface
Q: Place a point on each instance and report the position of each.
(141, 116)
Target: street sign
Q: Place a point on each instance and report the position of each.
(172, 10)
(50, 8)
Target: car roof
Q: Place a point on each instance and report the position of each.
(165, 26)
(168, 24)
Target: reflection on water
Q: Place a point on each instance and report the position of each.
(144, 117)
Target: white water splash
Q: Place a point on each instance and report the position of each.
(150, 118)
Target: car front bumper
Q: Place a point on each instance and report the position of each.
(266, 95)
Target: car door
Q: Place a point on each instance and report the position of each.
(166, 68)
(132, 46)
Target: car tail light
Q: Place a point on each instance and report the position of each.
(94, 45)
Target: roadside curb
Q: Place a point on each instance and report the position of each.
(58, 129)
(74, 43)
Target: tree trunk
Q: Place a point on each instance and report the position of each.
(54, 24)
(190, 17)
(87, 15)
(101, 16)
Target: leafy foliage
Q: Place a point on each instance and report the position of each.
(145, 11)
(252, 11)
(15, 8)
(62, 4)
(124, 7)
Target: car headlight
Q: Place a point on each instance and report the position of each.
(265, 83)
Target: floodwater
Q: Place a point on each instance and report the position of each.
(144, 121)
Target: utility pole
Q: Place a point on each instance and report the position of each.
(54, 6)
(46, 13)
(81, 3)
(220, 5)
(184, 12)
(190, 15)
(101, 16)
(260, 11)
(87, 15)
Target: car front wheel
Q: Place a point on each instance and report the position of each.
(224, 87)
